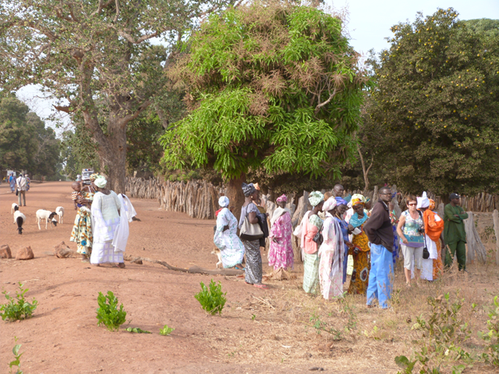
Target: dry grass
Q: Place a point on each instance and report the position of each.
(278, 326)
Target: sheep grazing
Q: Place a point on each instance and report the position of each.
(13, 208)
(46, 215)
(60, 212)
(19, 218)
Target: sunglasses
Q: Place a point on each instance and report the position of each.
(412, 204)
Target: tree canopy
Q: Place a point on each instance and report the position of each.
(269, 84)
(436, 106)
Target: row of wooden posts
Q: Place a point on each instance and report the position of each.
(199, 199)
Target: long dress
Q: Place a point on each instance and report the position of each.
(281, 250)
(344, 231)
(311, 258)
(361, 260)
(82, 228)
(12, 182)
(105, 221)
(433, 266)
(253, 273)
(331, 259)
(231, 247)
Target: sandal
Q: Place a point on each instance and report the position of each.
(121, 265)
(239, 267)
(262, 286)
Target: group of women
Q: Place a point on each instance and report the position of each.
(99, 231)
(328, 233)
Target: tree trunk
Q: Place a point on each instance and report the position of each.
(235, 194)
(112, 154)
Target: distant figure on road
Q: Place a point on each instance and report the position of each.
(21, 184)
(12, 182)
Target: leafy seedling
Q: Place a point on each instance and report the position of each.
(108, 312)
(213, 299)
(17, 308)
(137, 330)
(165, 331)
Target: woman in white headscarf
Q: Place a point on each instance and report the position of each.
(105, 221)
(331, 253)
(226, 239)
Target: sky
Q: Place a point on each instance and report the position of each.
(369, 23)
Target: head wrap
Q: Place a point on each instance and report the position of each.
(100, 181)
(341, 201)
(282, 198)
(330, 204)
(94, 176)
(432, 205)
(423, 202)
(358, 199)
(315, 198)
(223, 201)
(248, 189)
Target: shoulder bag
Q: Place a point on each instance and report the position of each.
(250, 231)
(426, 253)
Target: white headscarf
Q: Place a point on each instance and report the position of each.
(223, 201)
(423, 202)
(100, 182)
(329, 204)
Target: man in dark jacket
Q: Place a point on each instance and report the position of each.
(380, 233)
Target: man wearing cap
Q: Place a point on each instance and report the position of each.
(454, 233)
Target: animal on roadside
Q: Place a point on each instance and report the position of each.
(19, 218)
(42, 214)
(60, 212)
(13, 208)
(217, 252)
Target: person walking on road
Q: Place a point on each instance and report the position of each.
(21, 185)
(380, 233)
(454, 233)
(12, 183)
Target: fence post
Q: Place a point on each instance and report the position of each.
(495, 215)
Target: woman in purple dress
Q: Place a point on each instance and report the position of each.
(281, 251)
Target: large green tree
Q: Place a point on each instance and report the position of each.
(96, 56)
(436, 106)
(271, 85)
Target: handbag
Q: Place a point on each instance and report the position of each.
(250, 231)
(318, 238)
(426, 253)
(17, 192)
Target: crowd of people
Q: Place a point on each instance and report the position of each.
(335, 228)
(19, 186)
(100, 229)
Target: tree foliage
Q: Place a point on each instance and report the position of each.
(94, 55)
(436, 105)
(25, 142)
(269, 84)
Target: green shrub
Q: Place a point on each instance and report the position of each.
(492, 336)
(17, 308)
(108, 312)
(212, 300)
(165, 331)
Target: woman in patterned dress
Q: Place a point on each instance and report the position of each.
(281, 250)
(311, 227)
(331, 253)
(226, 239)
(106, 219)
(360, 250)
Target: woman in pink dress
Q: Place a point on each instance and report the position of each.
(281, 251)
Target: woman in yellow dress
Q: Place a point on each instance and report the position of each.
(360, 250)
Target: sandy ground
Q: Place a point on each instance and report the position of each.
(260, 331)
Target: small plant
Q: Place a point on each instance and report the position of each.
(492, 336)
(108, 312)
(17, 308)
(137, 330)
(322, 326)
(212, 300)
(165, 331)
(17, 361)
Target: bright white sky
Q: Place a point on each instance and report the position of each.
(369, 23)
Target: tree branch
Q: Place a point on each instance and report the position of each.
(124, 121)
(117, 11)
(320, 105)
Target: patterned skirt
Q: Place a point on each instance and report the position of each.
(253, 261)
(82, 231)
(361, 265)
(311, 272)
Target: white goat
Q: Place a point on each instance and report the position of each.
(46, 215)
(19, 218)
(13, 208)
(60, 212)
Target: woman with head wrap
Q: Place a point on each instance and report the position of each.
(281, 250)
(433, 227)
(226, 238)
(339, 217)
(360, 247)
(331, 253)
(106, 219)
(311, 257)
(252, 247)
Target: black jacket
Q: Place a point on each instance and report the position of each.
(378, 227)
